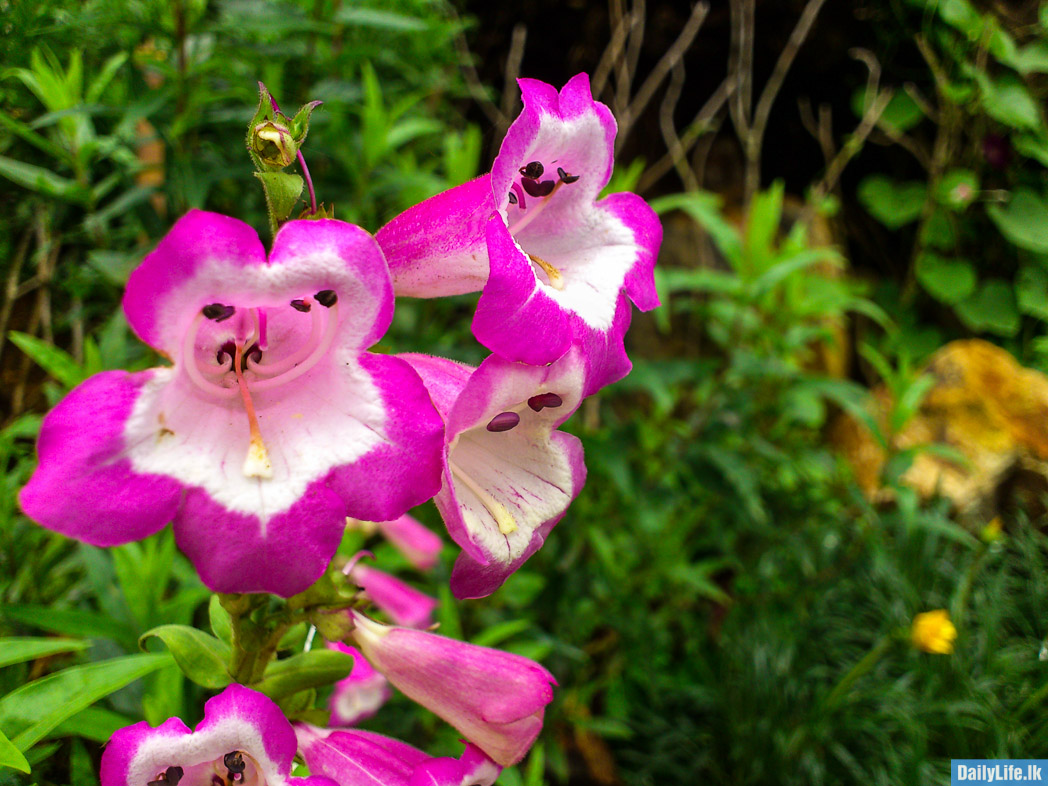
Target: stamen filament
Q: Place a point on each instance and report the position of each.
(556, 280)
(256, 464)
(314, 357)
(192, 364)
(503, 518)
(532, 214)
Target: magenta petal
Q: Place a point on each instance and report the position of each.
(236, 720)
(197, 241)
(515, 318)
(404, 470)
(360, 695)
(437, 248)
(84, 486)
(419, 544)
(496, 699)
(354, 757)
(636, 214)
(237, 552)
(404, 604)
(604, 352)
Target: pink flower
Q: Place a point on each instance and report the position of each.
(363, 758)
(403, 603)
(272, 425)
(509, 474)
(554, 263)
(420, 545)
(243, 739)
(494, 698)
(360, 695)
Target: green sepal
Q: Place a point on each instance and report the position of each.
(313, 669)
(202, 658)
(263, 113)
(317, 717)
(299, 125)
(297, 704)
(221, 622)
(282, 192)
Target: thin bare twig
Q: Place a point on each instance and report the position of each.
(666, 63)
(510, 91)
(610, 55)
(700, 125)
(476, 88)
(740, 64)
(669, 130)
(633, 45)
(821, 129)
(755, 137)
(623, 74)
(11, 286)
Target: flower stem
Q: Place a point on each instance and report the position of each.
(309, 184)
(868, 661)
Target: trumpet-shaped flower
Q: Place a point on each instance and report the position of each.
(509, 474)
(403, 603)
(358, 696)
(552, 260)
(243, 740)
(496, 699)
(272, 425)
(362, 758)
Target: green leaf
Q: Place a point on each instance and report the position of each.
(1031, 288)
(313, 669)
(947, 280)
(1008, 101)
(94, 723)
(498, 633)
(202, 658)
(991, 309)
(56, 362)
(381, 20)
(11, 757)
(901, 114)
(1033, 146)
(762, 227)
(961, 15)
(282, 192)
(29, 713)
(705, 210)
(1033, 58)
(938, 231)
(957, 189)
(70, 622)
(21, 649)
(784, 268)
(1023, 220)
(43, 181)
(893, 204)
(221, 622)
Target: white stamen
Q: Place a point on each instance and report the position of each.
(314, 357)
(280, 366)
(192, 364)
(503, 518)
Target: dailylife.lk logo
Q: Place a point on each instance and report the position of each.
(979, 771)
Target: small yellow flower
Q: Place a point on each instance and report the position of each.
(992, 531)
(933, 632)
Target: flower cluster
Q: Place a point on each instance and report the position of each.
(274, 426)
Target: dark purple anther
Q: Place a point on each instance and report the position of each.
(565, 177)
(234, 762)
(512, 198)
(551, 400)
(218, 312)
(533, 171)
(174, 775)
(326, 297)
(504, 421)
(300, 305)
(537, 189)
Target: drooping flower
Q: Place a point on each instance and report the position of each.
(419, 545)
(243, 740)
(933, 632)
(496, 699)
(360, 695)
(553, 262)
(271, 427)
(362, 758)
(403, 603)
(509, 474)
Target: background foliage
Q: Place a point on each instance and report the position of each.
(723, 603)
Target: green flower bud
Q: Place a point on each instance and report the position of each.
(273, 144)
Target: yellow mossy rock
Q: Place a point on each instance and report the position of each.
(984, 405)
